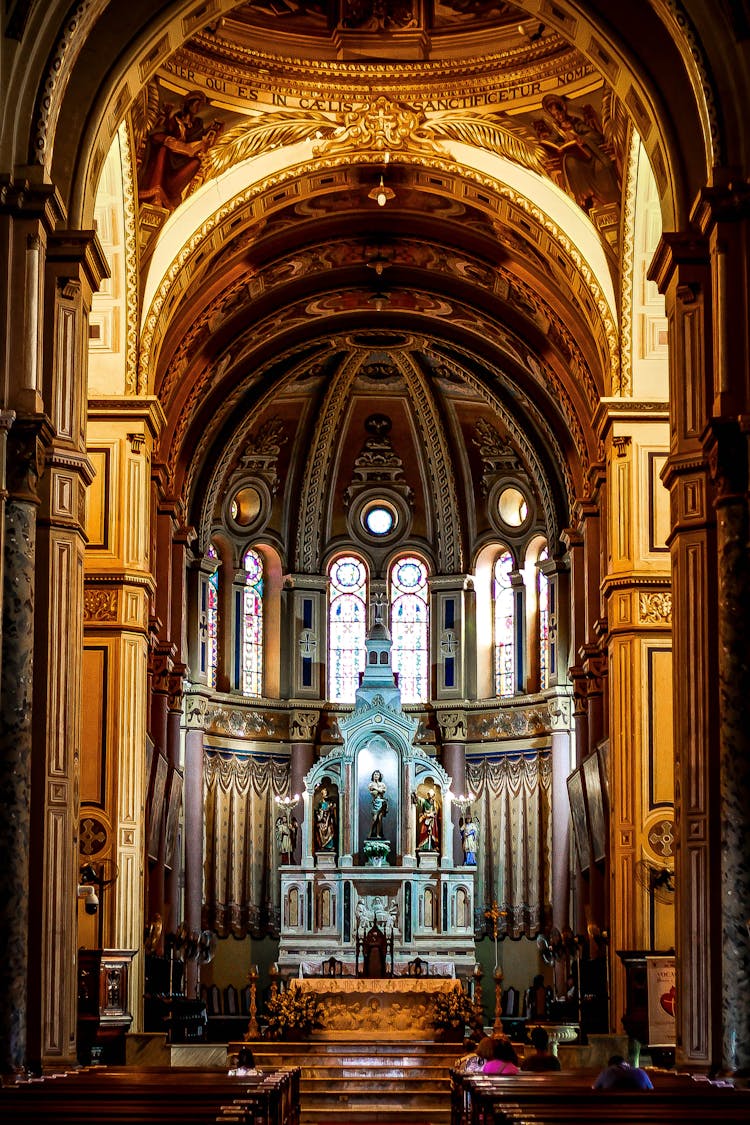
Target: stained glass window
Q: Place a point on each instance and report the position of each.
(347, 627)
(409, 628)
(503, 624)
(543, 603)
(252, 625)
(212, 619)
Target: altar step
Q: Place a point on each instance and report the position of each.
(376, 1082)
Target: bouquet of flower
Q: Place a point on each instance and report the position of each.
(292, 1012)
(455, 1009)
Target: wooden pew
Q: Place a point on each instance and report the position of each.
(564, 1099)
(154, 1096)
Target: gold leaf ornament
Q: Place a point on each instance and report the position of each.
(268, 131)
(488, 131)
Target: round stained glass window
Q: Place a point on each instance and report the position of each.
(379, 521)
(348, 574)
(512, 507)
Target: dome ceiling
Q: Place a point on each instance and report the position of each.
(474, 309)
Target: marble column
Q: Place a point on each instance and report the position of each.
(193, 824)
(302, 726)
(453, 760)
(173, 863)
(561, 708)
(729, 460)
(162, 667)
(25, 452)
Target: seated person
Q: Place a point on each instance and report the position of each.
(620, 1075)
(504, 1059)
(245, 1063)
(472, 1061)
(541, 1058)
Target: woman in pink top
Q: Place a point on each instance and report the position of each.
(504, 1059)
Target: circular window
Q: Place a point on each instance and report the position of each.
(379, 521)
(512, 507)
(246, 506)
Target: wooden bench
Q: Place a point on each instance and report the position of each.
(154, 1096)
(561, 1099)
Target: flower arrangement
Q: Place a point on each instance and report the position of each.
(454, 1010)
(292, 1012)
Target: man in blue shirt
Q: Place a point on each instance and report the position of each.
(620, 1075)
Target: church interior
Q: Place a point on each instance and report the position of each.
(375, 557)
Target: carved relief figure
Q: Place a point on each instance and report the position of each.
(326, 819)
(586, 162)
(174, 151)
(379, 804)
(428, 821)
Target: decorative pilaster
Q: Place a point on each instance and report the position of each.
(304, 636)
(682, 271)
(453, 610)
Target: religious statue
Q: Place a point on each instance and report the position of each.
(469, 838)
(325, 822)
(283, 833)
(379, 804)
(428, 822)
(175, 148)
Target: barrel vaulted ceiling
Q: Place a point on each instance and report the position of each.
(278, 297)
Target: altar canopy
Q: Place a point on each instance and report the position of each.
(377, 840)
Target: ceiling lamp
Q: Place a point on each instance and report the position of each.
(381, 194)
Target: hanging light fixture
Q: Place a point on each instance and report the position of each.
(381, 194)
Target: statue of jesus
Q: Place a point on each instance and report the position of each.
(379, 804)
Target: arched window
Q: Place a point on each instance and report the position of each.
(543, 605)
(252, 624)
(409, 619)
(347, 627)
(503, 621)
(212, 619)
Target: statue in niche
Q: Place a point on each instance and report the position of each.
(428, 821)
(379, 804)
(325, 822)
(469, 839)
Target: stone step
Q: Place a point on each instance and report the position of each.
(334, 1071)
(375, 1115)
(375, 1081)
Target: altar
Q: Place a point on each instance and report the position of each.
(377, 844)
(391, 1008)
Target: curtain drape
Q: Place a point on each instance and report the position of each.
(513, 860)
(240, 881)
